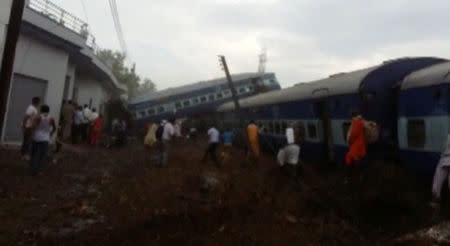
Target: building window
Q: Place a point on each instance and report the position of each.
(416, 133)
(161, 109)
(211, 97)
(203, 99)
(186, 103)
(345, 129)
(151, 111)
(219, 96)
(178, 105)
(312, 131)
(195, 101)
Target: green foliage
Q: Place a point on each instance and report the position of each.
(125, 75)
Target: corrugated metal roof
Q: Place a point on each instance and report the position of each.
(437, 74)
(190, 87)
(342, 83)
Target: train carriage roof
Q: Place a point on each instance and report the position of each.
(191, 87)
(342, 83)
(389, 72)
(433, 75)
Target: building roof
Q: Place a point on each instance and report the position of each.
(190, 87)
(437, 74)
(338, 84)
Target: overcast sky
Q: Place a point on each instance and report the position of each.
(176, 42)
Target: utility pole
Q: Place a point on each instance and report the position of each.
(224, 66)
(9, 52)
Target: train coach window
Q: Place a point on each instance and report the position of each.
(277, 127)
(219, 96)
(203, 99)
(345, 129)
(195, 101)
(161, 109)
(284, 125)
(242, 90)
(416, 133)
(264, 127)
(270, 124)
(437, 95)
(312, 130)
(300, 126)
(178, 105)
(186, 103)
(151, 111)
(227, 93)
(142, 113)
(211, 98)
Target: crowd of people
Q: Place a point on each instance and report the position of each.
(77, 124)
(83, 125)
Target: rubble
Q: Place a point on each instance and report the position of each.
(119, 197)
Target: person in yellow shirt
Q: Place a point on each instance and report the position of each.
(253, 141)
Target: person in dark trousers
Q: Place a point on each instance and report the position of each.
(78, 121)
(213, 134)
(27, 124)
(43, 129)
(86, 123)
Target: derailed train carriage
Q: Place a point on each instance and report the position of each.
(423, 117)
(322, 109)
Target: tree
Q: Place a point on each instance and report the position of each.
(146, 86)
(125, 75)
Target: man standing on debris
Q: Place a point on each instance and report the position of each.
(442, 172)
(96, 131)
(290, 153)
(357, 141)
(213, 135)
(253, 141)
(227, 138)
(27, 124)
(86, 124)
(167, 136)
(78, 121)
(43, 129)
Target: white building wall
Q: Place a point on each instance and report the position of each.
(39, 60)
(91, 89)
(5, 10)
(71, 72)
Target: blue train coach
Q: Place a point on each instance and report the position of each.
(322, 108)
(423, 122)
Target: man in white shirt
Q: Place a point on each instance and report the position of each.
(167, 135)
(85, 126)
(290, 153)
(213, 135)
(27, 127)
(93, 115)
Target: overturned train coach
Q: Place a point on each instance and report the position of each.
(406, 97)
(197, 99)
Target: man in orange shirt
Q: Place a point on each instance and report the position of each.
(253, 140)
(356, 140)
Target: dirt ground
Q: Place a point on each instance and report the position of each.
(119, 197)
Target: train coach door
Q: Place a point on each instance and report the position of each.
(325, 123)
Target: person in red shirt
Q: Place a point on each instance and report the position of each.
(357, 141)
(96, 130)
